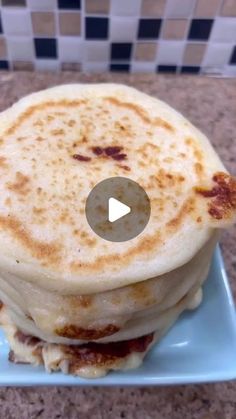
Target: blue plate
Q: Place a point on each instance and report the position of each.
(200, 347)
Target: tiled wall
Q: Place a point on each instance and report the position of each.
(119, 35)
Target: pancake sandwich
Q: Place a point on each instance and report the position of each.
(71, 300)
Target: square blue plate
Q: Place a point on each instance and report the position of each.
(200, 347)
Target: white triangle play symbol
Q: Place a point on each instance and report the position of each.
(116, 209)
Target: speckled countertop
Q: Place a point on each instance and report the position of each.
(210, 103)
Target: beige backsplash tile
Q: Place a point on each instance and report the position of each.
(145, 51)
(43, 23)
(22, 66)
(69, 23)
(206, 8)
(3, 48)
(194, 53)
(97, 6)
(228, 8)
(174, 28)
(71, 66)
(153, 8)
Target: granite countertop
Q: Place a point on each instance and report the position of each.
(210, 103)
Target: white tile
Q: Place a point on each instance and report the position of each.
(170, 52)
(139, 67)
(42, 4)
(47, 65)
(125, 7)
(224, 30)
(217, 55)
(97, 51)
(95, 67)
(70, 49)
(20, 48)
(123, 29)
(212, 71)
(16, 22)
(180, 8)
(230, 70)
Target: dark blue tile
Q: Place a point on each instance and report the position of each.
(121, 51)
(190, 69)
(120, 67)
(45, 47)
(1, 31)
(166, 68)
(149, 28)
(96, 28)
(4, 65)
(200, 29)
(68, 4)
(233, 56)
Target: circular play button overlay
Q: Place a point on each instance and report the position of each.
(118, 209)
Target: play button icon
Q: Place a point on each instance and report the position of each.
(117, 209)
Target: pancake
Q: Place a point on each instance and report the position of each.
(44, 234)
(62, 284)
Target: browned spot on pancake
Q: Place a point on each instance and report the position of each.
(37, 123)
(28, 340)
(188, 141)
(199, 219)
(141, 292)
(80, 157)
(222, 197)
(59, 113)
(97, 150)
(98, 354)
(147, 149)
(78, 301)
(126, 168)
(3, 162)
(58, 131)
(168, 159)
(50, 118)
(1, 141)
(187, 207)
(85, 239)
(112, 150)
(49, 252)
(165, 180)
(198, 154)
(38, 211)
(119, 157)
(19, 139)
(39, 139)
(196, 150)
(75, 332)
(21, 184)
(131, 106)
(148, 245)
(42, 106)
(71, 123)
(199, 169)
(8, 202)
(159, 122)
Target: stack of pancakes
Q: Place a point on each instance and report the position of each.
(71, 300)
